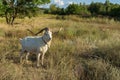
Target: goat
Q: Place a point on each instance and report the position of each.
(36, 44)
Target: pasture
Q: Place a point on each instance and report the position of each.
(85, 49)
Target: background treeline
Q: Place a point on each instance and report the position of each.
(30, 8)
(94, 9)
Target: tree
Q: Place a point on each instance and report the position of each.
(78, 9)
(83, 10)
(53, 9)
(73, 9)
(115, 11)
(56, 10)
(107, 6)
(15, 8)
(94, 8)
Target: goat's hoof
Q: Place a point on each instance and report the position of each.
(43, 66)
(38, 66)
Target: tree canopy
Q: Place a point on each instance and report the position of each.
(94, 9)
(10, 9)
(15, 8)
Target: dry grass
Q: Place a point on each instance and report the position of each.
(85, 49)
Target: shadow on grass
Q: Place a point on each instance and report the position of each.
(110, 55)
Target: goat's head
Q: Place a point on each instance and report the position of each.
(47, 34)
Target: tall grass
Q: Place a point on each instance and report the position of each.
(85, 49)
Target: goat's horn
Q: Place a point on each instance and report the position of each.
(60, 29)
(46, 29)
(31, 32)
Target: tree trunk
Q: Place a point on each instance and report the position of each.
(10, 16)
(6, 17)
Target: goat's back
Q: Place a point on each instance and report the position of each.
(32, 44)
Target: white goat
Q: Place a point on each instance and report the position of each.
(36, 44)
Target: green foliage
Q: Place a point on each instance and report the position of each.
(76, 9)
(17, 8)
(79, 9)
(53, 9)
(73, 9)
(94, 9)
(115, 12)
(107, 9)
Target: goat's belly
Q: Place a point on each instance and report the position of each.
(36, 49)
(31, 49)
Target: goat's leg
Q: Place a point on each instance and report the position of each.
(43, 58)
(38, 59)
(21, 56)
(27, 54)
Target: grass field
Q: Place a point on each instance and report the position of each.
(85, 49)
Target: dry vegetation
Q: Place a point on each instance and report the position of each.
(85, 49)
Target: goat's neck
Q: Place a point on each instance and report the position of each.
(46, 40)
